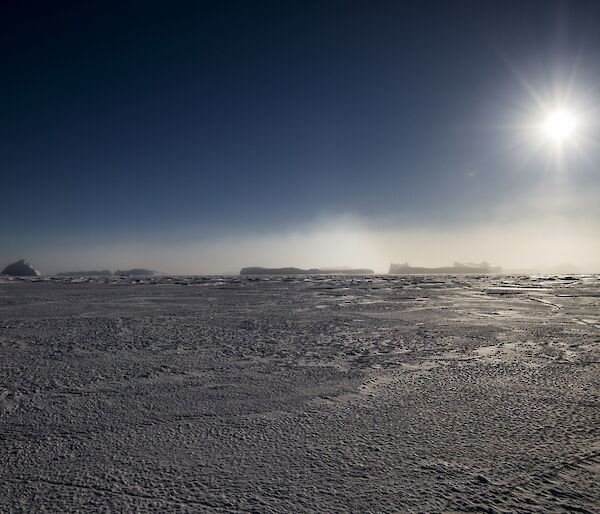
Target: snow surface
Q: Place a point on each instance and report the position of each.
(296, 394)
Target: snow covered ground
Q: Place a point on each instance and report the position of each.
(293, 394)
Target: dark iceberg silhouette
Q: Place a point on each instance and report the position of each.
(20, 268)
(135, 272)
(257, 270)
(346, 271)
(100, 273)
(406, 269)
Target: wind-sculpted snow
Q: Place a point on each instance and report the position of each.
(295, 394)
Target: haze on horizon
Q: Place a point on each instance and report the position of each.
(201, 137)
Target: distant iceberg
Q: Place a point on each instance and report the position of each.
(135, 272)
(457, 268)
(20, 268)
(298, 271)
(100, 273)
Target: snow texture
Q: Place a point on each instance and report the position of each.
(299, 394)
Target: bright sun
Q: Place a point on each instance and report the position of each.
(560, 125)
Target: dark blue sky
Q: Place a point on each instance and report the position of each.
(126, 118)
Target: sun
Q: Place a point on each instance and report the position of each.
(560, 125)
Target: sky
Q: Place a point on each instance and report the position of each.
(200, 137)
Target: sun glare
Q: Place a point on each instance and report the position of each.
(560, 125)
